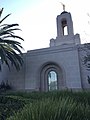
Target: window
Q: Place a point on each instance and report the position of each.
(51, 77)
(52, 80)
(64, 27)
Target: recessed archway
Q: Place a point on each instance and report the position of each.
(56, 72)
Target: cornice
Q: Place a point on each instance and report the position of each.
(51, 50)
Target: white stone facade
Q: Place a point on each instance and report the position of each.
(64, 57)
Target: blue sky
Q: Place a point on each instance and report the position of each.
(37, 19)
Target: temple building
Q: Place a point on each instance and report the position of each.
(57, 67)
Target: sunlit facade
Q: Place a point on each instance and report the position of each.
(57, 67)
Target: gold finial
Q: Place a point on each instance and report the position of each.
(63, 6)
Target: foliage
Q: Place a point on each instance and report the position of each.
(87, 45)
(87, 57)
(53, 109)
(4, 86)
(8, 106)
(56, 105)
(10, 49)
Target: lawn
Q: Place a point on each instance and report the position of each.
(55, 105)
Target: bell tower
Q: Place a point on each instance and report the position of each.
(65, 31)
(64, 21)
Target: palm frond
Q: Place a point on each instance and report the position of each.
(2, 53)
(15, 59)
(9, 31)
(14, 36)
(10, 49)
(1, 11)
(8, 54)
(7, 26)
(15, 47)
(4, 18)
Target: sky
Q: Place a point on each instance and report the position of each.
(37, 19)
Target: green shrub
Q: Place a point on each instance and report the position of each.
(8, 106)
(55, 105)
(5, 86)
(54, 109)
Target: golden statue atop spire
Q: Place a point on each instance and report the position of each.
(63, 6)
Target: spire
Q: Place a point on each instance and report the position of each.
(64, 20)
(65, 32)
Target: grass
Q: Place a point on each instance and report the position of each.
(56, 105)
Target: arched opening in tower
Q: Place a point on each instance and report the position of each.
(64, 27)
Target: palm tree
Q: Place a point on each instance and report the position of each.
(10, 49)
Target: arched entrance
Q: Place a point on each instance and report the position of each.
(51, 77)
